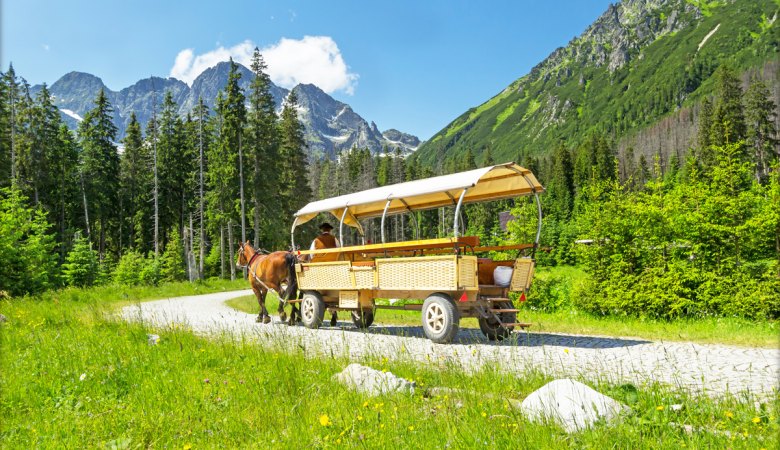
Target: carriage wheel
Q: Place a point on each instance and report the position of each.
(312, 309)
(363, 318)
(440, 318)
(492, 328)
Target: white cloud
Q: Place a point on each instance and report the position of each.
(313, 59)
(45, 47)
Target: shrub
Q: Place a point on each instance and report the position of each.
(26, 247)
(128, 270)
(81, 264)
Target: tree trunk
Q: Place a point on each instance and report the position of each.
(86, 210)
(202, 217)
(241, 189)
(230, 245)
(222, 251)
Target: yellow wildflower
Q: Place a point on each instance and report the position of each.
(411, 427)
(756, 420)
(325, 420)
(365, 404)
(360, 417)
(565, 350)
(729, 414)
(659, 408)
(187, 446)
(484, 414)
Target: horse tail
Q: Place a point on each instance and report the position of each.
(292, 279)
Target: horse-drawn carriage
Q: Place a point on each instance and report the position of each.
(444, 274)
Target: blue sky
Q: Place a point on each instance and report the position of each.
(410, 65)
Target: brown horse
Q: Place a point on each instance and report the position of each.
(270, 272)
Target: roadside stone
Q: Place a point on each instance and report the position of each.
(373, 382)
(573, 405)
(3, 319)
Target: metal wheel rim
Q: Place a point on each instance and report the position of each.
(435, 318)
(307, 309)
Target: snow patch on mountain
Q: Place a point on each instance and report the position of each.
(72, 114)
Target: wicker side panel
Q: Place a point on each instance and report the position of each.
(420, 273)
(467, 272)
(348, 299)
(332, 275)
(364, 277)
(524, 272)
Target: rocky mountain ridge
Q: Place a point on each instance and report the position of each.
(331, 126)
(637, 63)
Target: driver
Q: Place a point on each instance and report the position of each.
(323, 241)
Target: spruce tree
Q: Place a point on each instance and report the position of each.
(81, 264)
(292, 145)
(99, 165)
(136, 187)
(262, 147)
(760, 116)
(728, 122)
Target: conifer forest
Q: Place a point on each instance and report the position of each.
(695, 236)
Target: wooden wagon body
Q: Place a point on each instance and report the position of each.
(444, 272)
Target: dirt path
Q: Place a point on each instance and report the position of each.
(701, 368)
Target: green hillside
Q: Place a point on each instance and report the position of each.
(640, 61)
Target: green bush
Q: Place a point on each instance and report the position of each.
(81, 264)
(128, 270)
(151, 274)
(26, 247)
(172, 266)
(549, 294)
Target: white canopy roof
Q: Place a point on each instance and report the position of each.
(485, 184)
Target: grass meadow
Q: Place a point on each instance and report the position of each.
(73, 376)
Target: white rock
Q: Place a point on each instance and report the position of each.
(572, 404)
(373, 382)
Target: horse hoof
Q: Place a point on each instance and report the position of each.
(267, 319)
(258, 319)
(283, 316)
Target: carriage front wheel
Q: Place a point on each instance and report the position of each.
(312, 310)
(440, 318)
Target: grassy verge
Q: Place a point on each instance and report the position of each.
(115, 294)
(73, 379)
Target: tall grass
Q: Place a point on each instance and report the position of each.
(72, 377)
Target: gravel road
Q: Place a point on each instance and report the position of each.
(698, 368)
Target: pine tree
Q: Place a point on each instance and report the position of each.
(728, 122)
(81, 264)
(295, 187)
(65, 173)
(175, 167)
(760, 114)
(100, 169)
(136, 187)
(559, 198)
(201, 140)
(262, 146)
(172, 260)
(26, 246)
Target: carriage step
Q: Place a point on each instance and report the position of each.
(293, 301)
(496, 299)
(500, 310)
(519, 325)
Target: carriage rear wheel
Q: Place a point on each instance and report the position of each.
(312, 309)
(363, 318)
(440, 318)
(492, 328)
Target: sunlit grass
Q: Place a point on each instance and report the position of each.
(75, 377)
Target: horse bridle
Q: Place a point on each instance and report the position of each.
(248, 263)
